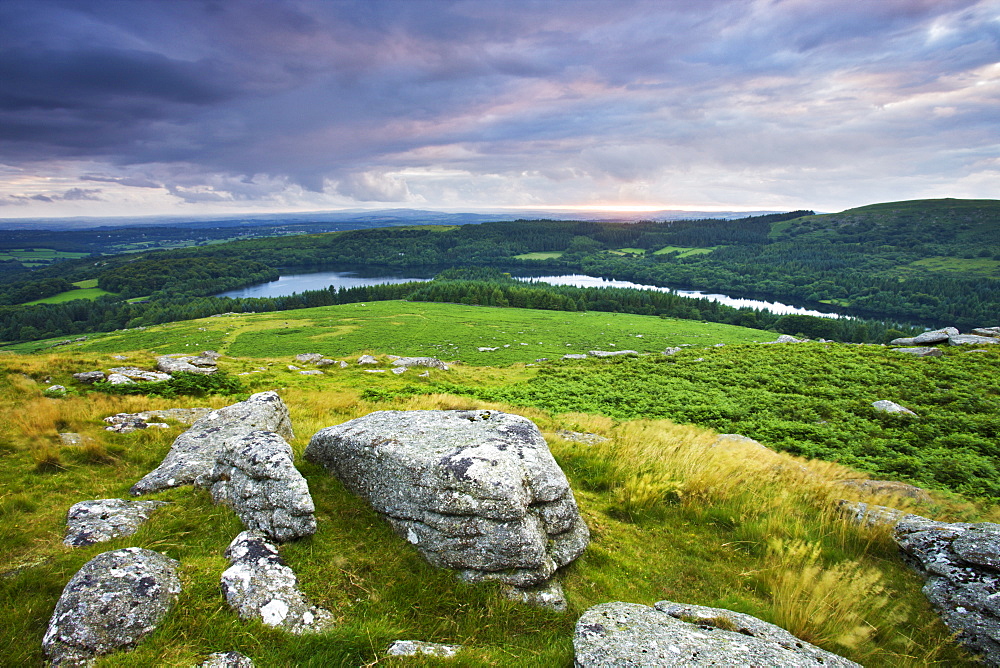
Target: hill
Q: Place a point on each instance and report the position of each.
(672, 515)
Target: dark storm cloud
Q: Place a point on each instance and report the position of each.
(222, 101)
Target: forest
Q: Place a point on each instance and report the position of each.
(924, 263)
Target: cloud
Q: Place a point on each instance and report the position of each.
(71, 195)
(309, 103)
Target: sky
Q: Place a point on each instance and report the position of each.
(191, 107)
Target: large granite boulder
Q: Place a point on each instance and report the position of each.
(432, 362)
(886, 406)
(97, 521)
(89, 377)
(186, 364)
(616, 634)
(937, 336)
(111, 603)
(476, 491)
(259, 585)
(255, 476)
(986, 331)
(972, 340)
(193, 454)
(961, 565)
(921, 351)
(136, 373)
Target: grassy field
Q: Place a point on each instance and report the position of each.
(447, 331)
(981, 266)
(672, 515)
(36, 257)
(539, 255)
(70, 295)
(682, 251)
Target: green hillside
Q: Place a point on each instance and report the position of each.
(671, 515)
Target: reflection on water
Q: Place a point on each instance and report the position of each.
(319, 280)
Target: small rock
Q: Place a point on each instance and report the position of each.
(343, 364)
(119, 379)
(185, 364)
(432, 362)
(367, 359)
(486, 350)
(326, 362)
(309, 358)
(415, 647)
(937, 336)
(672, 351)
(399, 369)
(114, 600)
(574, 356)
(886, 406)
(97, 521)
(70, 438)
(226, 660)
(311, 372)
(987, 331)
(140, 374)
(55, 391)
(548, 595)
(259, 585)
(612, 353)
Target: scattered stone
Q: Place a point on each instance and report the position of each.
(185, 364)
(475, 490)
(415, 647)
(292, 367)
(89, 377)
(111, 603)
(925, 351)
(937, 336)
(192, 456)
(548, 595)
(432, 362)
(140, 374)
(97, 521)
(374, 370)
(256, 477)
(886, 406)
(868, 514)
(887, 488)
(672, 351)
(211, 354)
(343, 364)
(367, 359)
(628, 634)
(226, 660)
(327, 362)
(311, 372)
(612, 353)
(130, 423)
(119, 379)
(259, 585)
(120, 358)
(573, 356)
(399, 369)
(972, 340)
(786, 338)
(126, 422)
(425, 374)
(487, 350)
(309, 358)
(55, 391)
(581, 437)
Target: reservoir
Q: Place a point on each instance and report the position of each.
(320, 280)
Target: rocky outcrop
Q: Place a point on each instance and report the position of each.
(367, 359)
(309, 358)
(972, 340)
(418, 647)
(186, 416)
(574, 356)
(961, 565)
(610, 635)
(255, 476)
(193, 454)
(110, 604)
(477, 491)
(135, 373)
(886, 406)
(260, 586)
(950, 335)
(89, 377)
(611, 353)
(432, 362)
(886, 488)
(987, 331)
(90, 522)
(186, 364)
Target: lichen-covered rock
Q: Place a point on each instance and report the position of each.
(193, 454)
(476, 491)
(548, 595)
(431, 362)
(367, 359)
(986, 331)
(886, 406)
(136, 373)
(100, 520)
(186, 364)
(259, 585)
(937, 336)
(309, 358)
(416, 647)
(972, 340)
(118, 379)
(616, 634)
(226, 660)
(111, 603)
(89, 377)
(255, 476)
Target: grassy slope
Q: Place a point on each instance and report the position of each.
(671, 516)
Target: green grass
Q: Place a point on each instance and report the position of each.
(671, 518)
(539, 255)
(89, 283)
(982, 266)
(70, 295)
(628, 251)
(37, 254)
(446, 331)
(683, 251)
